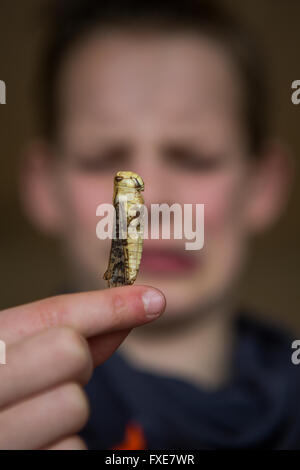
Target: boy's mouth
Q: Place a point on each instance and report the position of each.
(166, 261)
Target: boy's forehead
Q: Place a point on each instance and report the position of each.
(118, 76)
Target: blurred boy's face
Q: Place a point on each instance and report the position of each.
(168, 108)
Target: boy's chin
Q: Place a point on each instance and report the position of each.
(183, 293)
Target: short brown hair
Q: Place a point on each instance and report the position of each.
(73, 19)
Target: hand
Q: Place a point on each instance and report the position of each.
(52, 347)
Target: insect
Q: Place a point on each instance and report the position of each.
(126, 252)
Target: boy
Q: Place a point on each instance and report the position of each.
(172, 91)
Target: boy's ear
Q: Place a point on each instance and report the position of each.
(272, 181)
(37, 188)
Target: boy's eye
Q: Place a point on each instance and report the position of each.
(191, 160)
(107, 159)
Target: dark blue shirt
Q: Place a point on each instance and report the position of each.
(258, 408)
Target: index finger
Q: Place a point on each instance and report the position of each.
(89, 313)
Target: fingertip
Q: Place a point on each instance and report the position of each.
(154, 303)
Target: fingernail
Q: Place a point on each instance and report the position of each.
(153, 303)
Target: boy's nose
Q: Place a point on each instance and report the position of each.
(158, 182)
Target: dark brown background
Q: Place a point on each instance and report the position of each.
(30, 264)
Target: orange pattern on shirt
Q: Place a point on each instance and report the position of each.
(134, 438)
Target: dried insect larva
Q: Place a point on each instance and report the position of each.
(126, 253)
